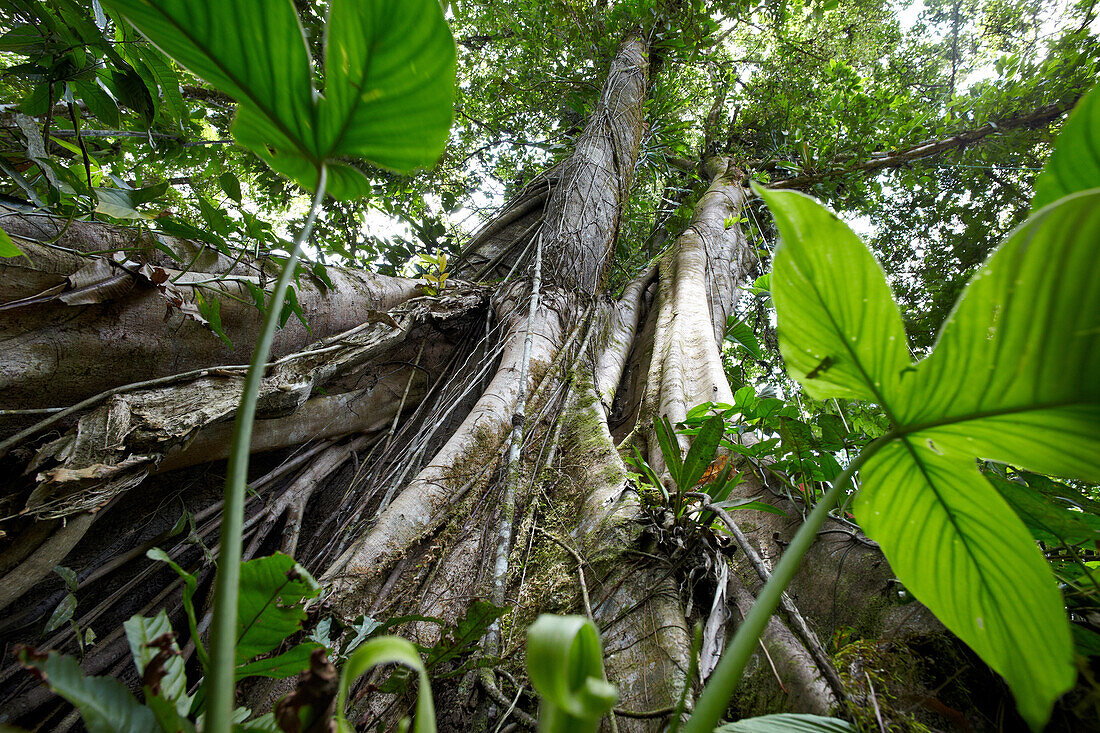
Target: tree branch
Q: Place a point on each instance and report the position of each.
(878, 161)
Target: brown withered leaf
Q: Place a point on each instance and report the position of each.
(165, 644)
(312, 706)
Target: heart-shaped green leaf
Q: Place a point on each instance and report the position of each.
(1013, 378)
(840, 331)
(389, 80)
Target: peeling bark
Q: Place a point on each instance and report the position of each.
(57, 353)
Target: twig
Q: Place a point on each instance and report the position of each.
(490, 687)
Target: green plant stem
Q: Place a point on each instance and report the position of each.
(223, 630)
(723, 681)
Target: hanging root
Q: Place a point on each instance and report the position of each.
(425, 504)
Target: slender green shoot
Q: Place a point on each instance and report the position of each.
(223, 633)
(723, 681)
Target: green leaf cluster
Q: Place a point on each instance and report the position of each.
(1013, 378)
(388, 69)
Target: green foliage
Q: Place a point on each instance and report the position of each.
(1012, 378)
(157, 658)
(1075, 164)
(105, 704)
(433, 271)
(701, 470)
(7, 247)
(389, 71)
(274, 591)
(565, 664)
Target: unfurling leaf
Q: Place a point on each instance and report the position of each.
(387, 650)
(565, 664)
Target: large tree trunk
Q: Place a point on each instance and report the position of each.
(385, 456)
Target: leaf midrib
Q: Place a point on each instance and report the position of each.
(901, 431)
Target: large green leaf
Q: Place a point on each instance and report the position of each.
(1014, 378)
(7, 247)
(389, 82)
(104, 703)
(253, 50)
(701, 452)
(958, 546)
(1075, 163)
(272, 595)
(144, 635)
(840, 331)
(1047, 521)
(389, 87)
(788, 723)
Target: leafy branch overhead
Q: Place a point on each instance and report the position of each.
(389, 75)
(1014, 377)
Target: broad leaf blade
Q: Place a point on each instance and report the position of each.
(742, 334)
(141, 633)
(670, 448)
(389, 86)
(956, 544)
(1015, 376)
(1047, 521)
(702, 451)
(840, 331)
(104, 703)
(253, 50)
(287, 664)
(7, 246)
(1075, 163)
(272, 593)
